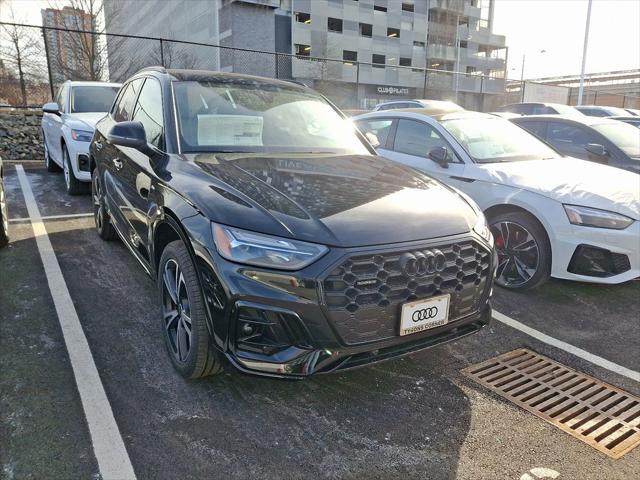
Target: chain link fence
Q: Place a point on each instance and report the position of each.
(34, 61)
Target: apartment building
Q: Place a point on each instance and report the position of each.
(69, 54)
(380, 48)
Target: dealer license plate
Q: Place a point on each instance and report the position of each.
(422, 315)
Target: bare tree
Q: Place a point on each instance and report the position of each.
(85, 55)
(170, 55)
(21, 51)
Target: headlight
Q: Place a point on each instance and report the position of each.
(264, 250)
(593, 217)
(81, 135)
(482, 229)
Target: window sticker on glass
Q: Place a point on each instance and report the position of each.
(236, 130)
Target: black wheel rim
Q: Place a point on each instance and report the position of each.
(518, 254)
(98, 210)
(176, 310)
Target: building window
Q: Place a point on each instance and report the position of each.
(377, 60)
(418, 44)
(334, 25)
(463, 44)
(471, 70)
(303, 50)
(393, 33)
(366, 30)
(405, 62)
(302, 17)
(349, 56)
(407, 7)
(380, 8)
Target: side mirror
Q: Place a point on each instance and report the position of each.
(440, 156)
(596, 149)
(129, 134)
(51, 107)
(373, 139)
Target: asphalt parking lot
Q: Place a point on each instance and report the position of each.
(415, 417)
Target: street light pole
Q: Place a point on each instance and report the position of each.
(584, 54)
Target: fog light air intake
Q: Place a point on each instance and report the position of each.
(597, 262)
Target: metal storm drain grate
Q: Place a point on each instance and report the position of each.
(600, 415)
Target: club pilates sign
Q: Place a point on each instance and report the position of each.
(391, 91)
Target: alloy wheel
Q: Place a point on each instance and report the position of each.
(176, 310)
(518, 254)
(65, 167)
(3, 212)
(98, 209)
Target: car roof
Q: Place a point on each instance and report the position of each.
(436, 114)
(584, 119)
(87, 83)
(207, 75)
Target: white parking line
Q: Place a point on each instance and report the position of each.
(52, 217)
(567, 347)
(109, 449)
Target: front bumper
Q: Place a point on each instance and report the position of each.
(280, 324)
(571, 240)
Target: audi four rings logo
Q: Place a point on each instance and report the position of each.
(422, 262)
(424, 314)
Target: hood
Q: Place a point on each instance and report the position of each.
(572, 181)
(338, 200)
(84, 121)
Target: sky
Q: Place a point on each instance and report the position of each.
(530, 26)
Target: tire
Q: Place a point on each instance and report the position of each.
(100, 216)
(181, 299)
(48, 163)
(524, 251)
(4, 217)
(74, 186)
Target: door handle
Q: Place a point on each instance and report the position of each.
(118, 163)
(98, 145)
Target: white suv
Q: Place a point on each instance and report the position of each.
(67, 129)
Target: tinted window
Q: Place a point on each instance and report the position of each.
(539, 129)
(126, 101)
(565, 134)
(379, 127)
(542, 110)
(148, 111)
(417, 138)
(92, 99)
(624, 136)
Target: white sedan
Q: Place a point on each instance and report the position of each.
(550, 215)
(67, 128)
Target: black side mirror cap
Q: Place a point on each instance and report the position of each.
(440, 156)
(51, 107)
(130, 134)
(596, 149)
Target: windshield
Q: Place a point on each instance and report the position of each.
(92, 98)
(494, 139)
(624, 136)
(235, 116)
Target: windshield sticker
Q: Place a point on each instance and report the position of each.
(237, 130)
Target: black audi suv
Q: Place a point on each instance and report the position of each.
(279, 241)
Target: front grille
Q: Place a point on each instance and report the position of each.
(364, 293)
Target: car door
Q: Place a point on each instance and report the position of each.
(114, 157)
(136, 169)
(410, 142)
(571, 139)
(54, 127)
